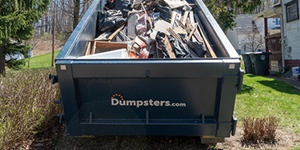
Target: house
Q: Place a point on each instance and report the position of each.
(284, 46)
(247, 35)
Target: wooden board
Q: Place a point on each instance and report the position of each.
(115, 33)
(184, 17)
(88, 49)
(176, 14)
(93, 48)
(192, 32)
(107, 46)
(169, 48)
(211, 51)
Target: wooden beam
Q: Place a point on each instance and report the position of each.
(169, 47)
(192, 32)
(171, 31)
(93, 47)
(147, 16)
(115, 33)
(184, 17)
(88, 49)
(211, 51)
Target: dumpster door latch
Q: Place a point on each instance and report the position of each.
(54, 78)
(60, 117)
(233, 125)
(240, 79)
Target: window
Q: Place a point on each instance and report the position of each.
(292, 11)
(277, 21)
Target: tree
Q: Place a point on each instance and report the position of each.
(225, 11)
(253, 39)
(16, 25)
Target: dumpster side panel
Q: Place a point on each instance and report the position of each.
(68, 94)
(84, 32)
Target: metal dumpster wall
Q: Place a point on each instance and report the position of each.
(204, 91)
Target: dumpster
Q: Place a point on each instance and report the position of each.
(160, 96)
(260, 63)
(247, 62)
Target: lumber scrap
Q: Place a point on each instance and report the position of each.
(115, 33)
(176, 14)
(171, 31)
(211, 51)
(169, 47)
(192, 32)
(147, 16)
(93, 48)
(88, 49)
(184, 17)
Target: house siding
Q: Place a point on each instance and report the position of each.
(292, 38)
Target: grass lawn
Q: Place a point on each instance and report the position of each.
(41, 61)
(263, 97)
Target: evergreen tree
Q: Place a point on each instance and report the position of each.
(225, 11)
(16, 25)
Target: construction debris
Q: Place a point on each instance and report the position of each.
(149, 29)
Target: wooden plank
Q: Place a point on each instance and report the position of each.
(191, 17)
(196, 34)
(200, 24)
(192, 32)
(88, 49)
(110, 45)
(169, 47)
(171, 31)
(192, 21)
(179, 30)
(148, 17)
(176, 14)
(183, 26)
(184, 17)
(94, 47)
(176, 3)
(162, 26)
(211, 51)
(115, 33)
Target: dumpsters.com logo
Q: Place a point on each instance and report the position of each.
(118, 100)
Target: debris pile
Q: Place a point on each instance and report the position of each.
(147, 29)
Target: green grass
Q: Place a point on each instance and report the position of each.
(263, 97)
(41, 61)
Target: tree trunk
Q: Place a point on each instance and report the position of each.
(76, 13)
(2, 61)
(46, 22)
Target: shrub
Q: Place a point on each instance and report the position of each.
(259, 130)
(26, 105)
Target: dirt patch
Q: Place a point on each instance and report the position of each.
(43, 46)
(54, 138)
(284, 140)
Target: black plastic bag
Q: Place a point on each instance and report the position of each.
(179, 48)
(198, 48)
(110, 20)
(165, 11)
(121, 5)
(160, 44)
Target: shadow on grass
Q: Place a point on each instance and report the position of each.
(245, 89)
(280, 86)
(251, 75)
